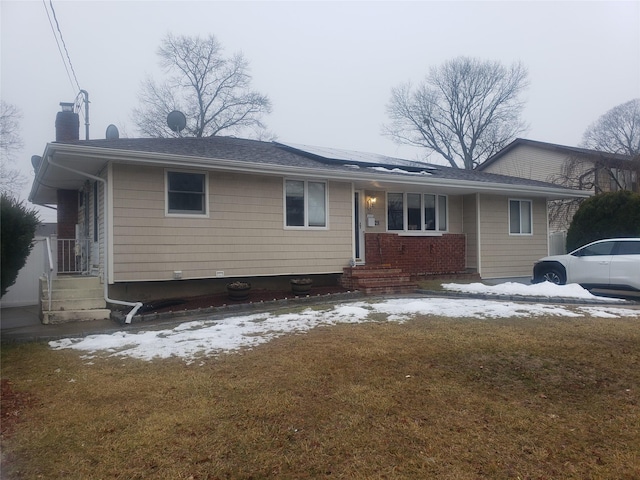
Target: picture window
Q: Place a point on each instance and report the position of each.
(416, 212)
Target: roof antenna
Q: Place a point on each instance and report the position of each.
(176, 121)
(85, 96)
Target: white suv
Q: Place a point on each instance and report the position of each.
(611, 263)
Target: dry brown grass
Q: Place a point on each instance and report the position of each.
(431, 398)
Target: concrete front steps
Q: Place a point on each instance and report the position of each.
(373, 280)
(73, 299)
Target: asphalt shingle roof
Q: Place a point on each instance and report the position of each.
(259, 152)
(567, 150)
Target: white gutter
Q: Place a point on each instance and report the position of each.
(136, 305)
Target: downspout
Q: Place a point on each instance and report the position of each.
(136, 305)
(479, 239)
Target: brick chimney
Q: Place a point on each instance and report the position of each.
(67, 124)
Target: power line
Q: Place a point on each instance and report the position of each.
(68, 58)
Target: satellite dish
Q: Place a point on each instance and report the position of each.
(176, 121)
(36, 160)
(112, 132)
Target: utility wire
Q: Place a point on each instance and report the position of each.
(68, 57)
(79, 97)
(64, 44)
(58, 43)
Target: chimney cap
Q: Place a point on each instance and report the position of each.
(67, 106)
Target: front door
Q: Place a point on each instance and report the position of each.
(359, 219)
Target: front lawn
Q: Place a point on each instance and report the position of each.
(432, 397)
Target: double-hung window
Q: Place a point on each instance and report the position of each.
(305, 204)
(416, 211)
(186, 193)
(520, 218)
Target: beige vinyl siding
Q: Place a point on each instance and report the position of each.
(379, 211)
(470, 229)
(243, 235)
(100, 247)
(455, 208)
(535, 163)
(505, 255)
(529, 162)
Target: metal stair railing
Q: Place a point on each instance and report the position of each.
(73, 255)
(49, 272)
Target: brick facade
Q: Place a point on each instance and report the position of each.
(67, 213)
(67, 220)
(67, 126)
(417, 255)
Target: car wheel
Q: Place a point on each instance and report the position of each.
(554, 275)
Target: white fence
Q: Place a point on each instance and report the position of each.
(557, 243)
(68, 256)
(25, 291)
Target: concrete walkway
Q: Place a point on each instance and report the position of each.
(22, 324)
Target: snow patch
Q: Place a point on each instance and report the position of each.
(545, 289)
(194, 339)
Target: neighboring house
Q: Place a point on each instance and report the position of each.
(574, 167)
(152, 216)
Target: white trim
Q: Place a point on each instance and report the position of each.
(417, 233)
(546, 209)
(479, 235)
(446, 212)
(362, 228)
(306, 225)
(520, 234)
(422, 232)
(108, 226)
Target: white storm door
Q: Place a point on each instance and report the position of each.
(359, 219)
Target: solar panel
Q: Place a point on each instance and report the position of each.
(349, 157)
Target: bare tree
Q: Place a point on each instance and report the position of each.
(611, 159)
(466, 110)
(610, 162)
(596, 171)
(580, 172)
(617, 131)
(214, 92)
(11, 179)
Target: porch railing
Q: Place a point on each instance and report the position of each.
(73, 255)
(49, 270)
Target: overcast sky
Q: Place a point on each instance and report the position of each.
(328, 67)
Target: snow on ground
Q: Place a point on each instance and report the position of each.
(194, 339)
(545, 289)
